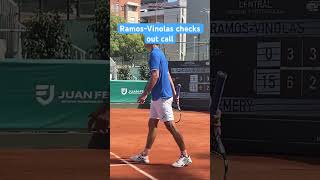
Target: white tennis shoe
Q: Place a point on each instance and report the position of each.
(182, 161)
(139, 158)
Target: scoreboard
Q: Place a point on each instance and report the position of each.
(271, 98)
(279, 67)
(194, 77)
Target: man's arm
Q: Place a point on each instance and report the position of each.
(175, 95)
(172, 85)
(152, 82)
(154, 64)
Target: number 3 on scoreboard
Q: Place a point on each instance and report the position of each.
(290, 56)
(313, 55)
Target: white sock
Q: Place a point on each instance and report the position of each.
(145, 152)
(184, 153)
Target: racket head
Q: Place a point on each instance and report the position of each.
(178, 90)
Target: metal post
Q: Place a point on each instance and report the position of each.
(78, 8)
(19, 10)
(198, 47)
(156, 11)
(68, 10)
(208, 45)
(40, 4)
(207, 11)
(194, 48)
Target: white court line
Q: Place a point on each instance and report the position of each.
(115, 165)
(134, 167)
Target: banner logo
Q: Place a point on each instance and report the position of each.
(44, 94)
(124, 91)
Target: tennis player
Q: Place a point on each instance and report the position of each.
(163, 93)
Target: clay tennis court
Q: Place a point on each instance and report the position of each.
(53, 164)
(128, 135)
(272, 167)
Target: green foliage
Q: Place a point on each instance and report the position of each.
(124, 73)
(45, 37)
(124, 45)
(144, 72)
(100, 29)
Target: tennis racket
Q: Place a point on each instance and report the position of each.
(178, 89)
(220, 162)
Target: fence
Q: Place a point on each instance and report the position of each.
(14, 12)
(10, 28)
(137, 60)
(68, 8)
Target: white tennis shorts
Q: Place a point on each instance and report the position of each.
(162, 109)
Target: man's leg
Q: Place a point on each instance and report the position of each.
(143, 157)
(177, 136)
(168, 118)
(184, 159)
(153, 125)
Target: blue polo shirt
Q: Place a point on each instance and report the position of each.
(162, 88)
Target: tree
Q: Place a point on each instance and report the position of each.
(124, 73)
(124, 45)
(45, 37)
(144, 72)
(100, 29)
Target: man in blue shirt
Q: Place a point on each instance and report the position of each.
(163, 92)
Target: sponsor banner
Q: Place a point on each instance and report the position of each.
(126, 91)
(51, 94)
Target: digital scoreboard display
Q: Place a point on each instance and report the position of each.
(194, 77)
(279, 67)
(271, 52)
(264, 67)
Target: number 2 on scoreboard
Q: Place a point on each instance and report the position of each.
(313, 83)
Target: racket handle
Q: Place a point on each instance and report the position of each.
(178, 88)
